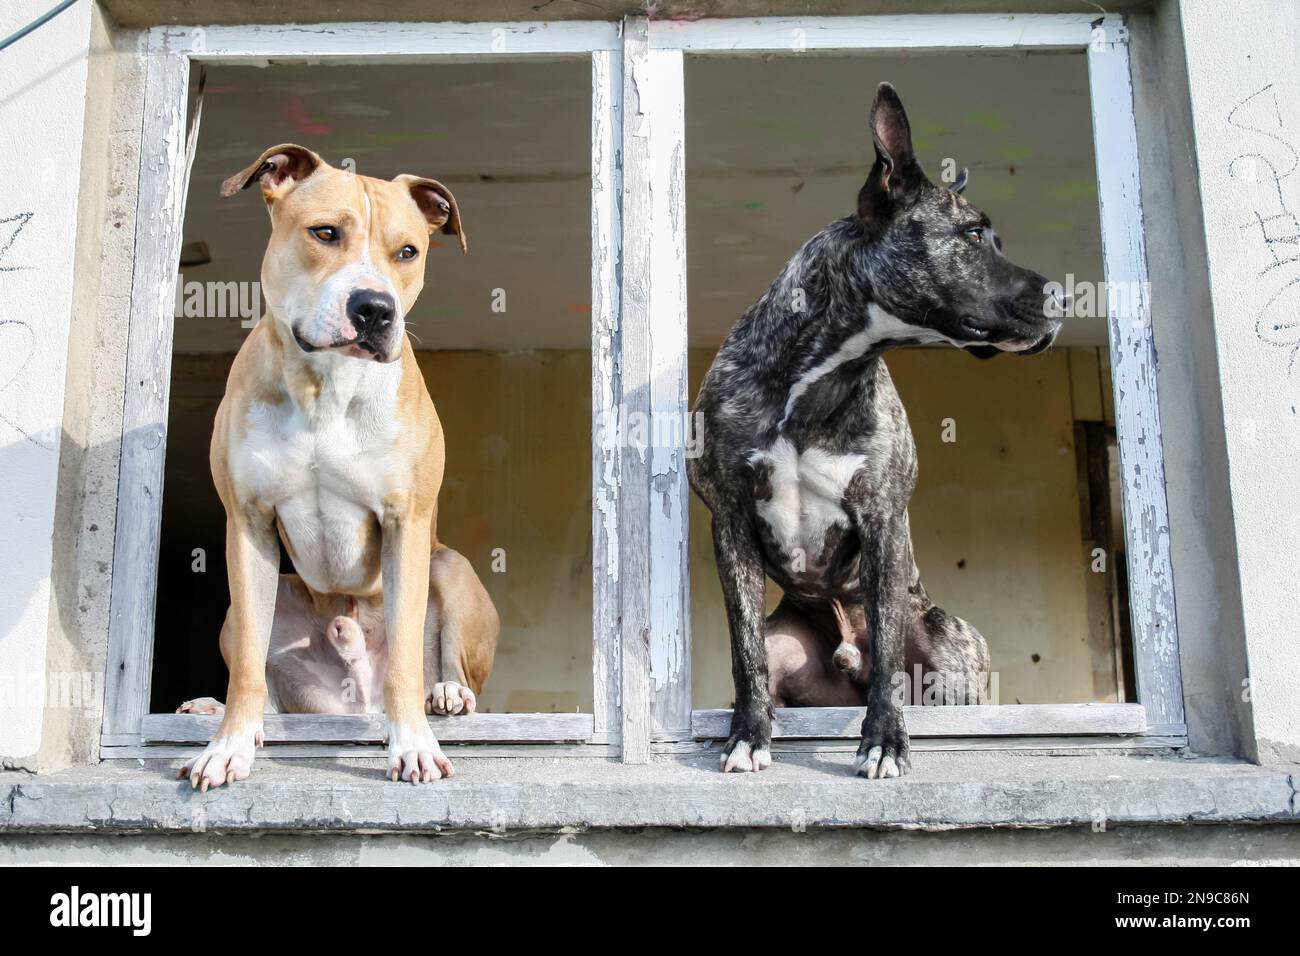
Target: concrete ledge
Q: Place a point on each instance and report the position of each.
(946, 791)
(1229, 844)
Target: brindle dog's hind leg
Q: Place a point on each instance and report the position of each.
(953, 656)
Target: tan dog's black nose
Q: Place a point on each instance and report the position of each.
(371, 312)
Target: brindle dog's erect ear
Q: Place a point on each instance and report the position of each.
(273, 168)
(438, 205)
(896, 171)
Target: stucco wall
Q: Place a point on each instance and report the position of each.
(1243, 74)
(1211, 519)
(1207, 586)
(42, 110)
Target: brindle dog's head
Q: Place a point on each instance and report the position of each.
(346, 257)
(935, 262)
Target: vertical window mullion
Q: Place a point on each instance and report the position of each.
(635, 688)
(1133, 374)
(654, 496)
(670, 668)
(164, 175)
(606, 253)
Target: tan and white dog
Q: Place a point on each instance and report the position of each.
(328, 435)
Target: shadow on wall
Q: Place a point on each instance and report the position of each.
(22, 574)
(61, 659)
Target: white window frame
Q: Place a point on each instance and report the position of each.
(655, 52)
(640, 496)
(129, 729)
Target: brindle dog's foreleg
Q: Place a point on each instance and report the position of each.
(740, 568)
(886, 553)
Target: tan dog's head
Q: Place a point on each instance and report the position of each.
(346, 258)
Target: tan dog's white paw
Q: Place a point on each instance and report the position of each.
(414, 754)
(206, 706)
(229, 757)
(448, 697)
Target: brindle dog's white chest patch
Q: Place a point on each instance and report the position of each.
(806, 498)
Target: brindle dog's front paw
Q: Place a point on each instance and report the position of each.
(884, 751)
(749, 746)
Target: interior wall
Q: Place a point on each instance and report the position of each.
(511, 140)
(515, 500)
(518, 490)
(501, 335)
(995, 521)
(777, 147)
(997, 516)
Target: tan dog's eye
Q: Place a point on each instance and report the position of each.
(326, 234)
(407, 253)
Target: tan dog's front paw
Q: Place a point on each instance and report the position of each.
(449, 697)
(205, 706)
(414, 754)
(229, 757)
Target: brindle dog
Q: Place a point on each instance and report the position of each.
(808, 460)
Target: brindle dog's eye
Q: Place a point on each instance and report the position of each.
(326, 234)
(975, 235)
(407, 253)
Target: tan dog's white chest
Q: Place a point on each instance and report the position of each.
(805, 499)
(326, 468)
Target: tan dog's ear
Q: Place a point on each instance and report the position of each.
(273, 168)
(438, 205)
